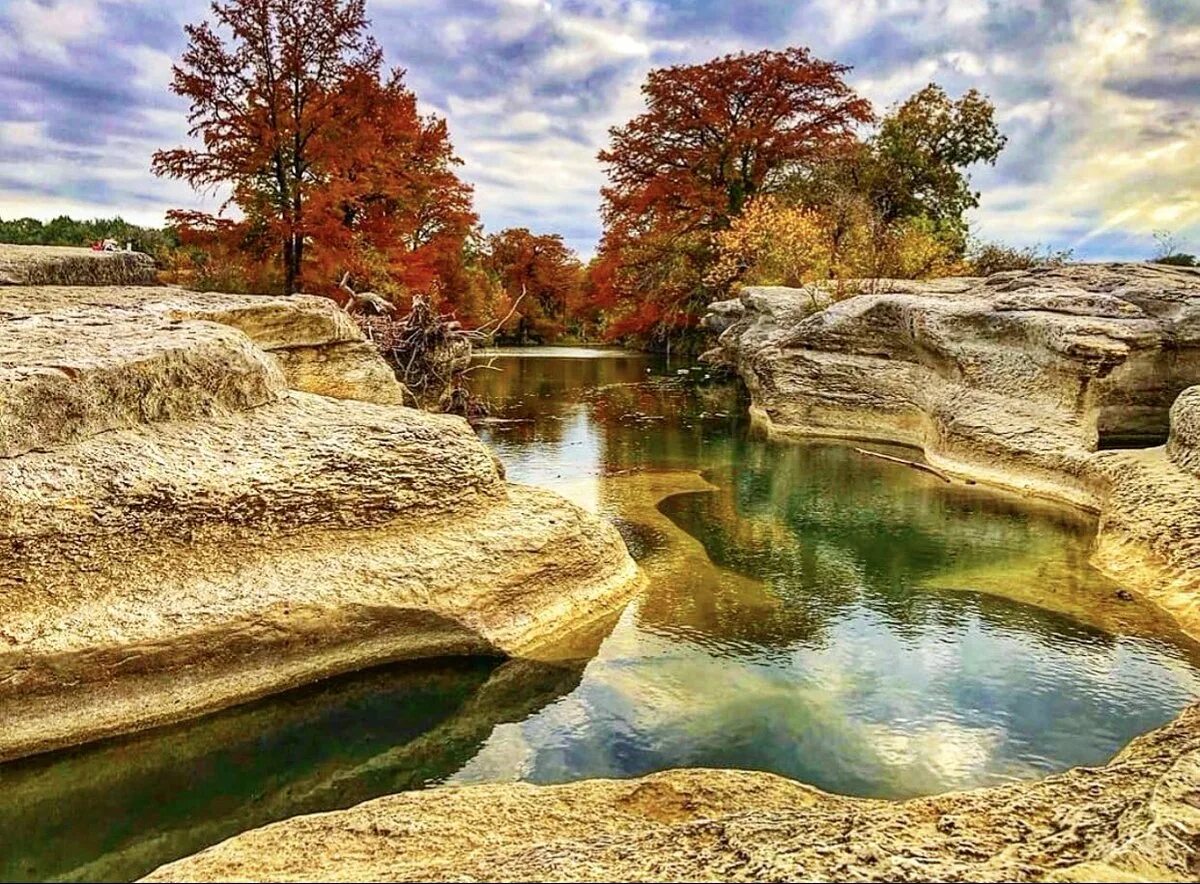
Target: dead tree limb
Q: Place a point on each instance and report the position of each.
(374, 300)
(908, 463)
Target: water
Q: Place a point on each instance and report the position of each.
(856, 624)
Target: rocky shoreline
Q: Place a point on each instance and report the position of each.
(208, 498)
(1018, 380)
(1131, 820)
(1015, 381)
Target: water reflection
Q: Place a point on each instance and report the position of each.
(849, 622)
(852, 623)
(114, 811)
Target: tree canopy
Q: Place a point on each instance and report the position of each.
(712, 137)
(328, 162)
(781, 135)
(762, 167)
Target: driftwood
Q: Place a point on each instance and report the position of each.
(924, 467)
(374, 300)
(429, 351)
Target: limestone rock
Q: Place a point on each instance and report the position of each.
(1016, 380)
(63, 265)
(1134, 819)
(206, 498)
(1184, 444)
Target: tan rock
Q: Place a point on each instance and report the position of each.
(1134, 819)
(1184, 445)
(186, 524)
(39, 265)
(1013, 380)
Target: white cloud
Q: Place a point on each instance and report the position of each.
(1101, 144)
(49, 29)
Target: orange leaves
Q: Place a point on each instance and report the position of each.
(713, 136)
(541, 271)
(330, 166)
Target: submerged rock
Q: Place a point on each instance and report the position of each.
(207, 498)
(1017, 380)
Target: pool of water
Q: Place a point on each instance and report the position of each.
(809, 611)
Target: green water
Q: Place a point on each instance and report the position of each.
(856, 624)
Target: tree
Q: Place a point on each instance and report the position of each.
(392, 211)
(543, 271)
(914, 166)
(774, 242)
(922, 150)
(712, 137)
(1168, 251)
(330, 164)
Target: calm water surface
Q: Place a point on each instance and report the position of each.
(855, 624)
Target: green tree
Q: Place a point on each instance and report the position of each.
(915, 166)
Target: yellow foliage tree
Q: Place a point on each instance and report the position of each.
(772, 243)
(776, 243)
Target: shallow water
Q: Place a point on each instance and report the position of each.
(856, 624)
(852, 623)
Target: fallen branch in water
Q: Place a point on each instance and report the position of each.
(908, 463)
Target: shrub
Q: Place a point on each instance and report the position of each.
(774, 243)
(984, 259)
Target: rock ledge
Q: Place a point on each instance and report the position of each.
(207, 498)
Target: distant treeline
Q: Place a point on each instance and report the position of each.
(66, 231)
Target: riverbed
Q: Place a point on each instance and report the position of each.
(850, 622)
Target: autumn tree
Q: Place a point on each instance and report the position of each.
(914, 170)
(540, 271)
(713, 136)
(328, 162)
(391, 210)
(264, 88)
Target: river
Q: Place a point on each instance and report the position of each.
(853, 623)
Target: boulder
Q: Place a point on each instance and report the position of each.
(206, 498)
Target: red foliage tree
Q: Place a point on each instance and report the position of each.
(331, 166)
(392, 211)
(712, 136)
(543, 269)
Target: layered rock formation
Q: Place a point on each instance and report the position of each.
(207, 498)
(1017, 380)
(1014, 380)
(1137, 818)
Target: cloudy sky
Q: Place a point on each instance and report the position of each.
(1100, 98)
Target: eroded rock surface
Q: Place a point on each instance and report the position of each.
(207, 498)
(1136, 818)
(36, 265)
(1017, 380)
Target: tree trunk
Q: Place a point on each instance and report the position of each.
(289, 266)
(298, 257)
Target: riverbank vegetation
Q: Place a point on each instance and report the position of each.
(753, 168)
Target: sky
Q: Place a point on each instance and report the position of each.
(1100, 100)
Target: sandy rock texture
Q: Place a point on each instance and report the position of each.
(35, 265)
(1136, 818)
(1018, 380)
(207, 498)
